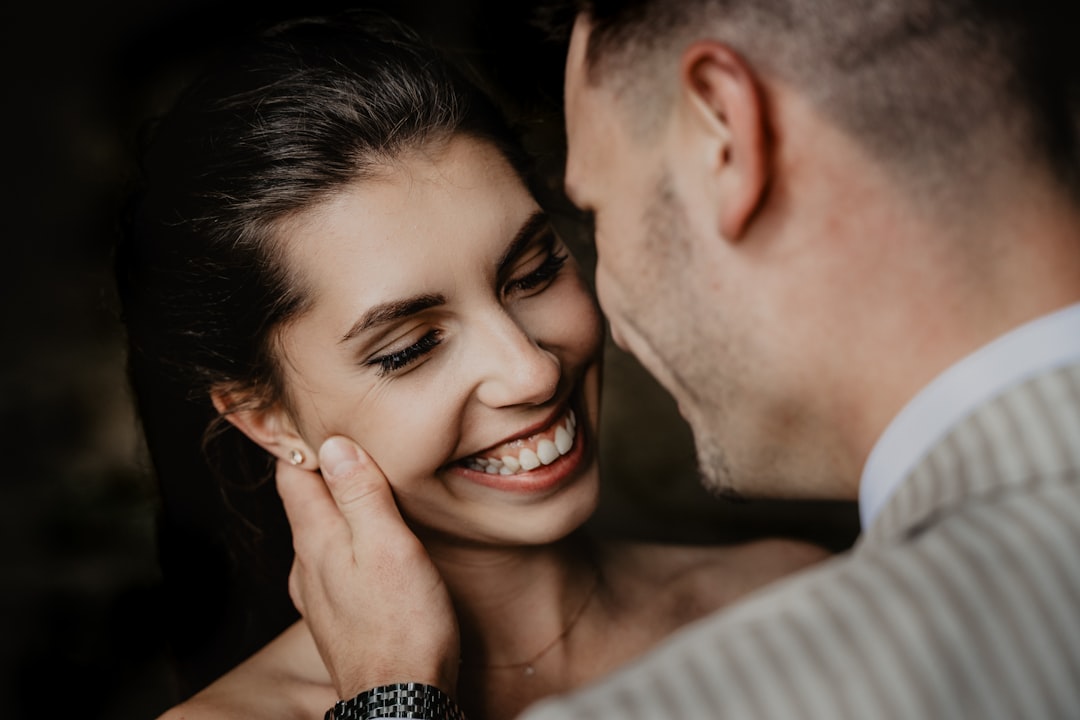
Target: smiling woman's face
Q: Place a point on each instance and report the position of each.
(450, 334)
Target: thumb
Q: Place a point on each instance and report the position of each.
(356, 483)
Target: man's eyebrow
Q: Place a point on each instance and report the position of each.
(526, 234)
(391, 311)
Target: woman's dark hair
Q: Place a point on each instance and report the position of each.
(276, 126)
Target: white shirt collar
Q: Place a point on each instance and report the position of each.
(1033, 348)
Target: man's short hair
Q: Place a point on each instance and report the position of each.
(923, 84)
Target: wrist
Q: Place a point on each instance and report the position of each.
(351, 682)
(411, 701)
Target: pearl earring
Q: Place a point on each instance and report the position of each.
(296, 457)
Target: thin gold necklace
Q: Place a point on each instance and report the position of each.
(528, 667)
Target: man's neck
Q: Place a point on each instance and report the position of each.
(1014, 263)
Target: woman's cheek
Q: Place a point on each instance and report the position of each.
(413, 441)
(585, 334)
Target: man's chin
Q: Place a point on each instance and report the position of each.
(719, 490)
(714, 469)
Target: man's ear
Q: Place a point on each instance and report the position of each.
(270, 427)
(723, 102)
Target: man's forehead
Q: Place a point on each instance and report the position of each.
(577, 117)
(579, 36)
(575, 77)
(574, 89)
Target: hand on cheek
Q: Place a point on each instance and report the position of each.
(373, 600)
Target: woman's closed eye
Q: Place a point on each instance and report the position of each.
(544, 273)
(535, 280)
(396, 360)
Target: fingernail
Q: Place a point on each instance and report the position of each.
(338, 456)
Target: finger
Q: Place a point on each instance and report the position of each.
(357, 485)
(312, 513)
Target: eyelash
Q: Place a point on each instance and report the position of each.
(547, 270)
(392, 362)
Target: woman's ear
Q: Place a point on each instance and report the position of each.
(726, 113)
(270, 427)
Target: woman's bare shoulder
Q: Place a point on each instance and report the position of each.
(284, 680)
(692, 580)
(665, 560)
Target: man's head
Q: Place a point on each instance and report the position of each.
(791, 207)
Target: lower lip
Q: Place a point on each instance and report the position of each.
(543, 479)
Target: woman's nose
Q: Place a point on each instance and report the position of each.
(517, 370)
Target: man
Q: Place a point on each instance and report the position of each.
(846, 238)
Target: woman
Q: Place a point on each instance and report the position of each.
(335, 238)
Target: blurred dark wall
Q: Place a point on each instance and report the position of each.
(80, 592)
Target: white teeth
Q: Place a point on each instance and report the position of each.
(528, 459)
(563, 440)
(547, 452)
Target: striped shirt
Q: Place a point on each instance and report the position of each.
(1040, 345)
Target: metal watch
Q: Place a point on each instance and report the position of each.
(409, 701)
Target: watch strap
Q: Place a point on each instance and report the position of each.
(406, 701)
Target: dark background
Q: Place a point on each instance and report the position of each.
(80, 593)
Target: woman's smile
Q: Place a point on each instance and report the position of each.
(535, 461)
(529, 450)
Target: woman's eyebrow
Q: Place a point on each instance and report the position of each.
(400, 309)
(391, 311)
(528, 231)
